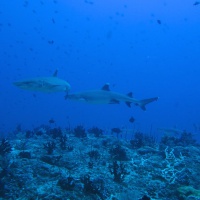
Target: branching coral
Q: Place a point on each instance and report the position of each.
(118, 170)
(171, 171)
(5, 147)
(50, 146)
(80, 132)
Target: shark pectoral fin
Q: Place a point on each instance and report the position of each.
(142, 103)
(66, 95)
(128, 103)
(114, 101)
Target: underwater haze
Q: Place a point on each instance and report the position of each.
(99, 99)
(150, 48)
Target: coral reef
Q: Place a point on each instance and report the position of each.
(5, 147)
(50, 146)
(80, 132)
(96, 131)
(89, 165)
(118, 170)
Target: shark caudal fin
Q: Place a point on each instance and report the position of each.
(142, 103)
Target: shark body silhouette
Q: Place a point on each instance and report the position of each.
(169, 131)
(105, 96)
(44, 84)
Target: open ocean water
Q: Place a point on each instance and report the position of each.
(148, 48)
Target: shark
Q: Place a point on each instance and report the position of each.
(170, 131)
(106, 96)
(44, 84)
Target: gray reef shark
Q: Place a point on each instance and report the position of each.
(44, 84)
(105, 96)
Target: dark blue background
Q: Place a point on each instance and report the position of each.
(93, 42)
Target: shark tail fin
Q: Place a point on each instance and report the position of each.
(142, 103)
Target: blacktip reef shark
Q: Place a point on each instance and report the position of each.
(44, 84)
(105, 96)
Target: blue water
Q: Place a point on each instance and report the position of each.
(151, 48)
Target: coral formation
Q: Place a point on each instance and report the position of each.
(5, 147)
(72, 166)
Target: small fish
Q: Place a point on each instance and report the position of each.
(53, 20)
(131, 120)
(196, 3)
(158, 21)
(116, 130)
(51, 121)
(89, 2)
(50, 41)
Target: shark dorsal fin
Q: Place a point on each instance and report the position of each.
(130, 94)
(106, 87)
(55, 73)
